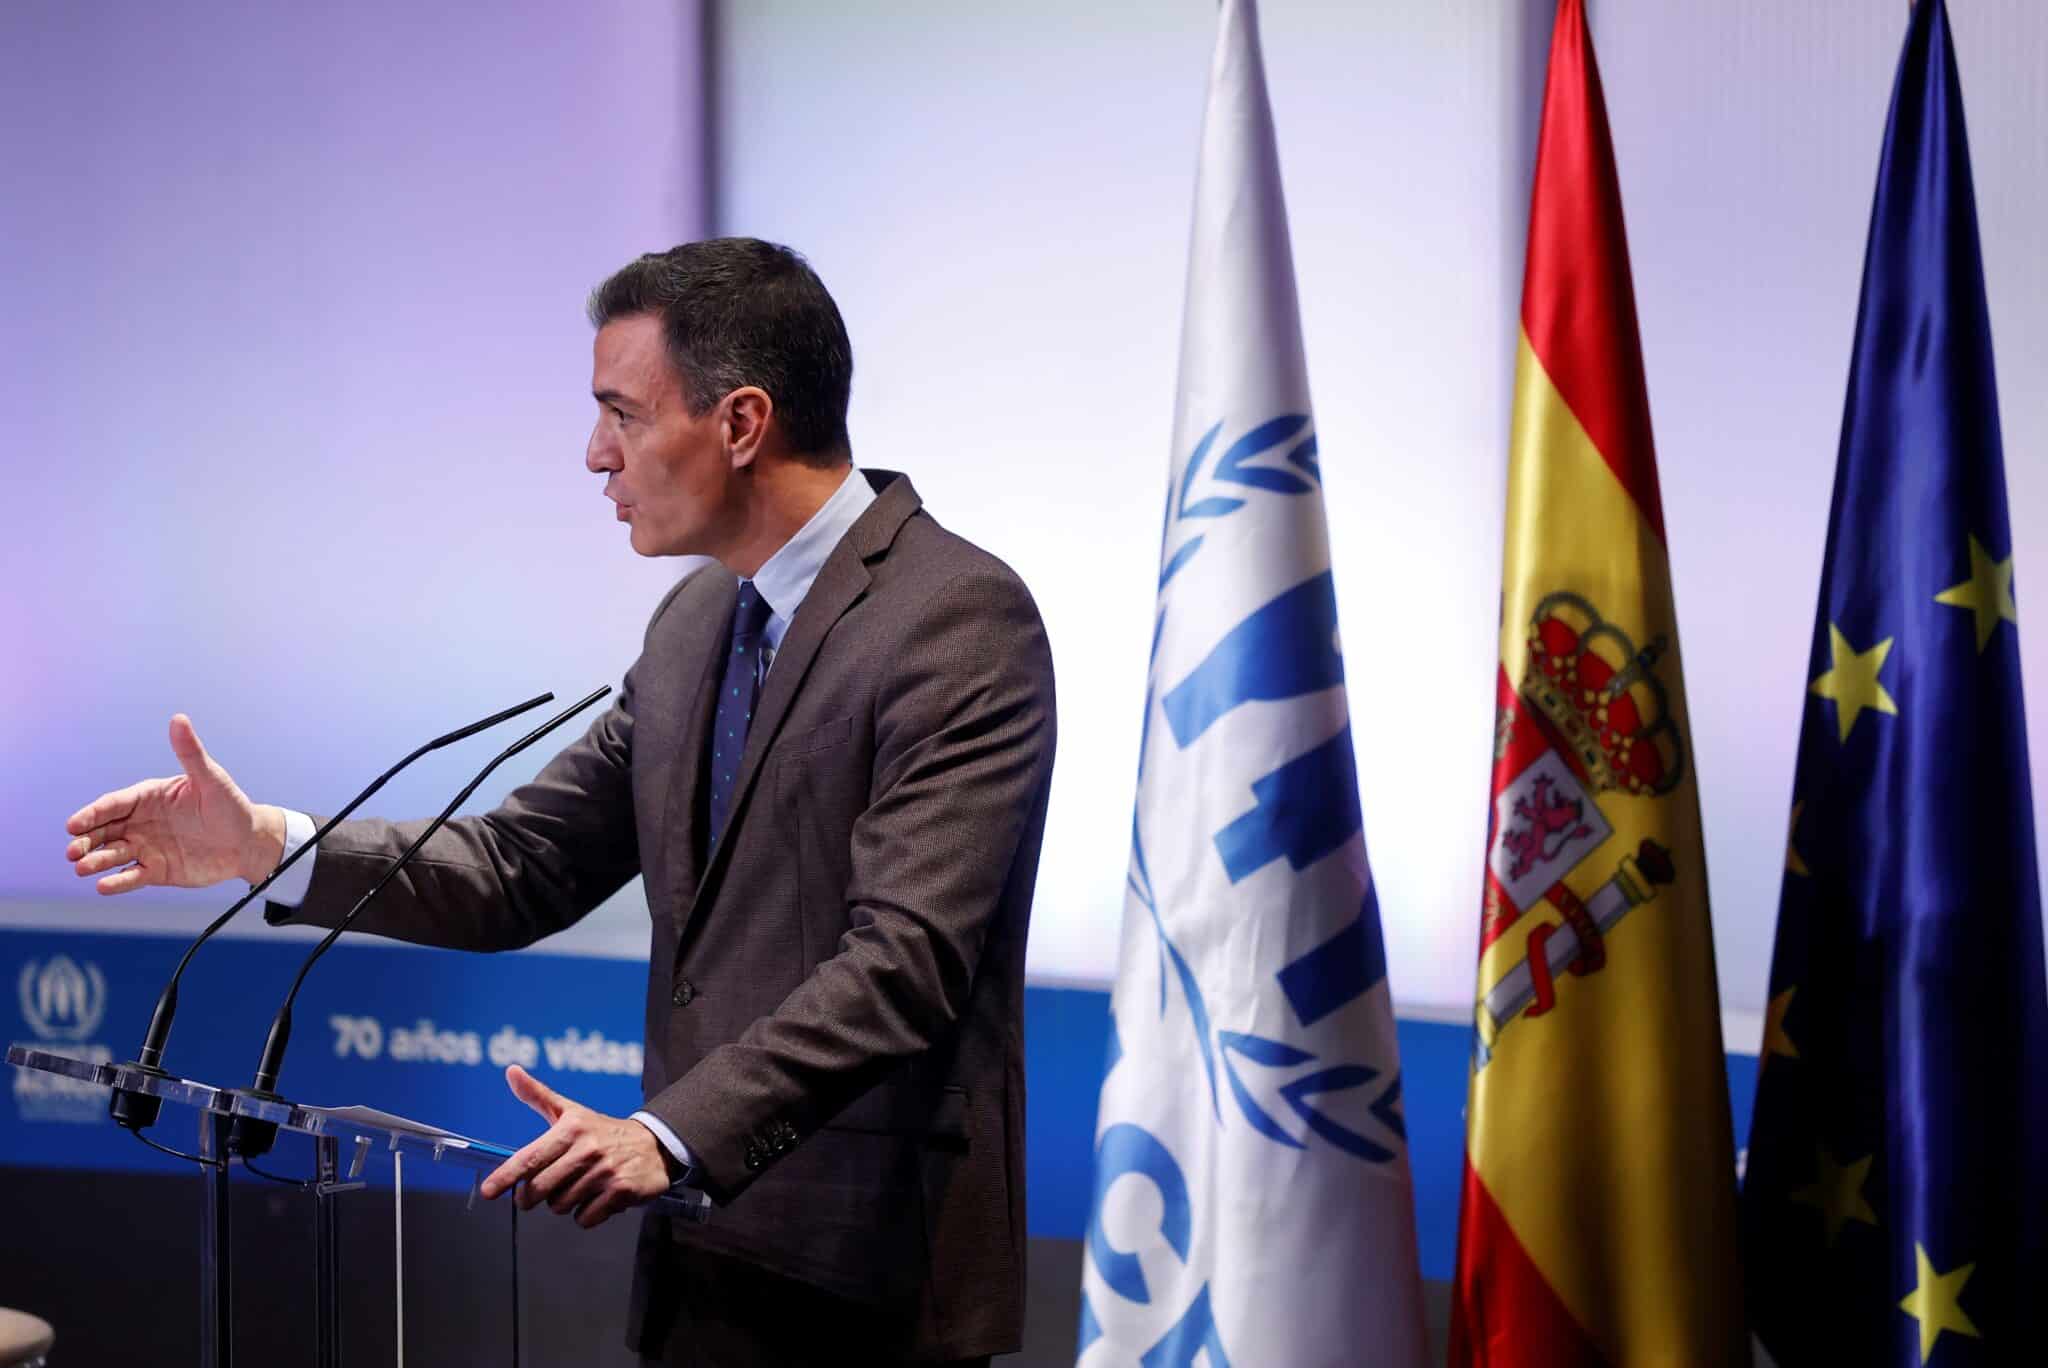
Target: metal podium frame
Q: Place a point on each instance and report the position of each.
(217, 1109)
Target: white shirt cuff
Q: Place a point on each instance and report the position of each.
(290, 889)
(669, 1141)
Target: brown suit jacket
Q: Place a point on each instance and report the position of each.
(835, 996)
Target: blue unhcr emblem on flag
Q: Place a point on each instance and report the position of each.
(1340, 970)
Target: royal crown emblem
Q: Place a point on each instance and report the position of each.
(1600, 696)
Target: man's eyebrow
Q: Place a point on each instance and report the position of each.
(612, 397)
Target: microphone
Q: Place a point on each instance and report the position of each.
(138, 1111)
(251, 1137)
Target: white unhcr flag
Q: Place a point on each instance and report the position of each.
(1252, 1197)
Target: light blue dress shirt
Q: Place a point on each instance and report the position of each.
(783, 581)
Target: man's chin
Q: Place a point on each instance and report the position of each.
(646, 543)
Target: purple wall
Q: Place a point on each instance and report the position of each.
(293, 320)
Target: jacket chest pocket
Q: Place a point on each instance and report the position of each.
(821, 786)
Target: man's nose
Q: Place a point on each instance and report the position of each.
(603, 453)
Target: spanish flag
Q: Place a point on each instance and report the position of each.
(1599, 1217)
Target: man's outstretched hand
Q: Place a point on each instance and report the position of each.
(586, 1162)
(187, 831)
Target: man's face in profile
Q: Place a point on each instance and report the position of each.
(669, 472)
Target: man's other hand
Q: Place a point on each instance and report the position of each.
(586, 1162)
(188, 831)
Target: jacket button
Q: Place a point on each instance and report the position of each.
(685, 994)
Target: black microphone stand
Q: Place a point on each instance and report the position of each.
(138, 1111)
(250, 1136)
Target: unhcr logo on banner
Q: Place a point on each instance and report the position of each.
(62, 1003)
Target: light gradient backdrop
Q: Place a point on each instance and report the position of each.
(296, 384)
(1000, 197)
(294, 369)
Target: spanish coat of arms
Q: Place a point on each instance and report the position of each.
(1590, 718)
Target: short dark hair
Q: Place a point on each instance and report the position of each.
(740, 311)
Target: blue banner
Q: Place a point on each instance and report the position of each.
(395, 1026)
(423, 1033)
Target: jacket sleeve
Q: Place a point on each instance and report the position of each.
(553, 850)
(964, 732)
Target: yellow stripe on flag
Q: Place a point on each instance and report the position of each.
(1601, 1130)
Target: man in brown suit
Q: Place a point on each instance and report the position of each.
(830, 765)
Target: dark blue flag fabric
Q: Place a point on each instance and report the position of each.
(1895, 1205)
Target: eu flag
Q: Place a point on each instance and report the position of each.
(1895, 1208)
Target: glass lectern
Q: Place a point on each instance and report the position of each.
(363, 1131)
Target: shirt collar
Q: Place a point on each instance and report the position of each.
(786, 577)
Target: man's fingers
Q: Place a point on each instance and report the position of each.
(593, 1182)
(126, 881)
(498, 1179)
(191, 754)
(523, 1165)
(536, 1094)
(107, 808)
(556, 1180)
(594, 1214)
(99, 836)
(112, 855)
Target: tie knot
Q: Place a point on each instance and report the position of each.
(749, 613)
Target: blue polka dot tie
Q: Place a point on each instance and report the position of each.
(736, 692)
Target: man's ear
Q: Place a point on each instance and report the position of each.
(748, 412)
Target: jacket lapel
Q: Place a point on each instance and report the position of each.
(840, 584)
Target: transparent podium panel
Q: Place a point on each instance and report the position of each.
(411, 1232)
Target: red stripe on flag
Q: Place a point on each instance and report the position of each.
(1578, 299)
(1503, 1311)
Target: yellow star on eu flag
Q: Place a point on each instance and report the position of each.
(1935, 1302)
(1852, 683)
(1793, 863)
(1987, 593)
(1837, 1193)
(1776, 1042)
